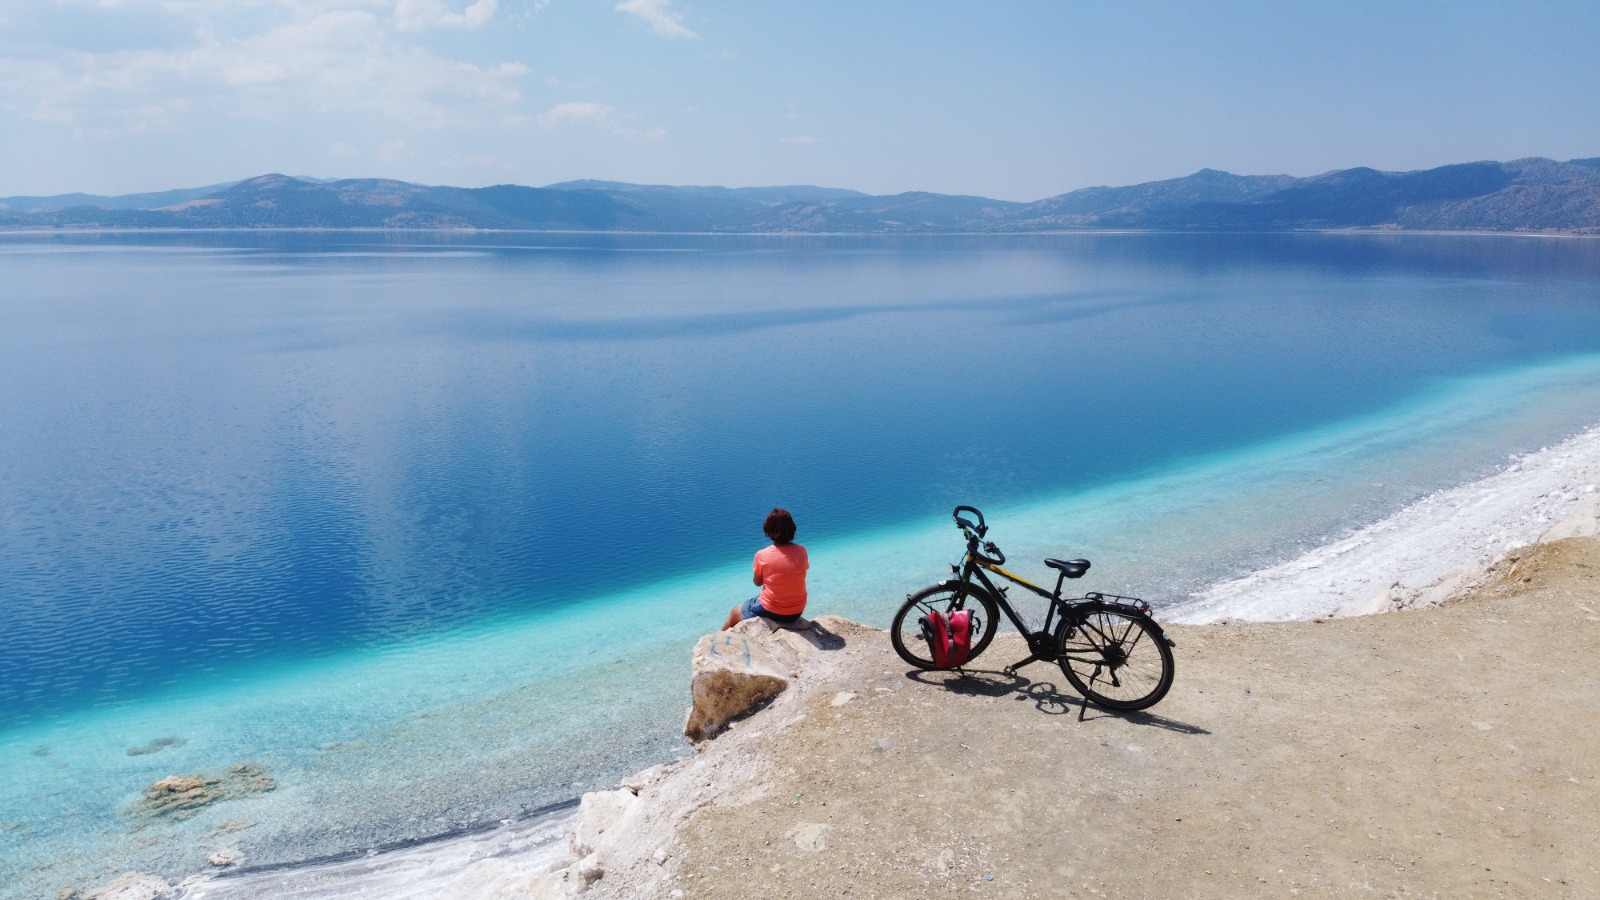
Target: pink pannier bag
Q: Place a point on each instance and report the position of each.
(949, 637)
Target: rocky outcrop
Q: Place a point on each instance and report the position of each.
(739, 670)
(732, 675)
(621, 844)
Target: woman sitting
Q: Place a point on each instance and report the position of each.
(780, 570)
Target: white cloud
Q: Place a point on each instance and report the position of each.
(577, 113)
(660, 16)
(331, 58)
(421, 15)
(340, 148)
(601, 116)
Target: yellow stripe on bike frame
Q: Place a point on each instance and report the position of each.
(1017, 578)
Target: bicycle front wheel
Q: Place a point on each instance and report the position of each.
(1115, 659)
(946, 597)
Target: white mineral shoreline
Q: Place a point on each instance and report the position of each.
(1425, 553)
(423, 872)
(1422, 555)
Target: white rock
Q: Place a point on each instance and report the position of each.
(131, 886)
(732, 675)
(591, 869)
(559, 885)
(810, 837)
(599, 814)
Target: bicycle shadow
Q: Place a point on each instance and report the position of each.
(1045, 696)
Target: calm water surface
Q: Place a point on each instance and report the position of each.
(240, 462)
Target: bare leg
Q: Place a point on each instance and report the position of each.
(735, 616)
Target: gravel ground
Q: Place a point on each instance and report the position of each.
(1441, 752)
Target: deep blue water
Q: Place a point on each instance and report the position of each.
(426, 524)
(230, 447)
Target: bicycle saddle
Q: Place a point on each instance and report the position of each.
(1072, 568)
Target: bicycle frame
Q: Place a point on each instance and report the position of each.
(1040, 644)
(1041, 647)
(975, 568)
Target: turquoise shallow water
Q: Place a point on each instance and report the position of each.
(435, 556)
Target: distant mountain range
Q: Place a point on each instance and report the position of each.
(1525, 195)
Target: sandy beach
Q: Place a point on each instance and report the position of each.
(1409, 709)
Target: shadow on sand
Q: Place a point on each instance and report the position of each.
(1046, 697)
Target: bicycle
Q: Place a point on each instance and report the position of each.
(1107, 645)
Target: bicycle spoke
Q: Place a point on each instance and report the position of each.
(1114, 659)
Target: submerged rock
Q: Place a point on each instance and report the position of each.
(181, 797)
(156, 746)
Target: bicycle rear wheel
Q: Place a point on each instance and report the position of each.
(905, 632)
(1115, 659)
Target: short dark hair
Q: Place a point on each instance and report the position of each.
(779, 526)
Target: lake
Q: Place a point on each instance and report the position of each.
(426, 524)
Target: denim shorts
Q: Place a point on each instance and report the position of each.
(753, 608)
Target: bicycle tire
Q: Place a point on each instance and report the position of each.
(906, 632)
(1115, 658)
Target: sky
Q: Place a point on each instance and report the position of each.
(1010, 100)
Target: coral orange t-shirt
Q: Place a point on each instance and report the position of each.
(783, 578)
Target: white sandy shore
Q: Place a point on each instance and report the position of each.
(1425, 553)
(1435, 548)
(417, 873)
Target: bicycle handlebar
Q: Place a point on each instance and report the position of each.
(966, 524)
(975, 532)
